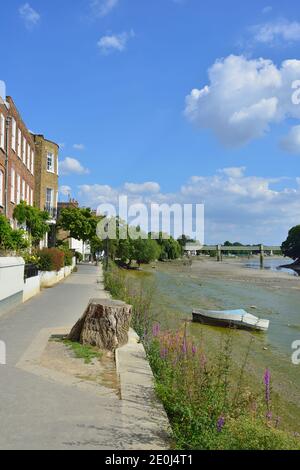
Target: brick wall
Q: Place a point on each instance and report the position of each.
(21, 150)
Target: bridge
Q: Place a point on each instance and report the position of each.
(192, 249)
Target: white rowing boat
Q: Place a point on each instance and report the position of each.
(233, 318)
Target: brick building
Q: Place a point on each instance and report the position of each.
(17, 155)
(46, 181)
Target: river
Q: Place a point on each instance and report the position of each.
(230, 285)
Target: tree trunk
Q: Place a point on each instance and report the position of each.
(104, 324)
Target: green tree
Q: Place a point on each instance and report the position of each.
(80, 223)
(34, 219)
(291, 246)
(170, 248)
(145, 250)
(11, 239)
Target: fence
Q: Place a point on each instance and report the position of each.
(31, 270)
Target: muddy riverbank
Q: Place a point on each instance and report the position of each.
(229, 285)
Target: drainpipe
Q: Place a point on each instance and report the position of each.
(7, 125)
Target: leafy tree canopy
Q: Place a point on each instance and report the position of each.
(291, 247)
(34, 219)
(11, 239)
(80, 223)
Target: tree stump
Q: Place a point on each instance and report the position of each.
(104, 324)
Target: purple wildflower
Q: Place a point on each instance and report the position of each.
(163, 353)
(220, 423)
(269, 415)
(156, 329)
(194, 350)
(184, 347)
(268, 386)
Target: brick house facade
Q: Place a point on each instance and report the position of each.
(17, 153)
(46, 180)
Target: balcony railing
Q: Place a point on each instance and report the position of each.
(52, 211)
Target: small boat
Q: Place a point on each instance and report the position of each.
(232, 318)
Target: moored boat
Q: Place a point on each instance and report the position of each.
(231, 318)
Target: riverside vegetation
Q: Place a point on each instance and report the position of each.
(208, 406)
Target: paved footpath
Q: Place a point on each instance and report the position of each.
(36, 413)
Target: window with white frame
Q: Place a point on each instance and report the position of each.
(28, 156)
(18, 189)
(50, 162)
(28, 194)
(1, 187)
(24, 149)
(2, 131)
(13, 185)
(19, 143)
(32, 162)
(13, 134)
(23, 195)
(49, 199)
(31, 197)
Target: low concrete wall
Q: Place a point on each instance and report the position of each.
(68, 271)
(32, 287)
(139, 400)
(11, 283)
(50, 278)
(14, 290)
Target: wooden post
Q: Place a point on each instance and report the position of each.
(261, 256)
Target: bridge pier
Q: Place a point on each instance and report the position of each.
(219, 253)
(261, 256)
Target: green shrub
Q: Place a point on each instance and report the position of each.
(79, 256)
(68, 255)
(51, 259)
(11, 239)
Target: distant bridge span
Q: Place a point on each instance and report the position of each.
(194, 248)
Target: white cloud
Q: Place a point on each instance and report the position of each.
(114, 42)
(244, 97)
(148, 187)
(71, 165)
(30, 16)
(78, 146)
(102, 8)
(65, 190)
(267, 9)
(233, 172)
(291, 143)
(237, 207)
(280, 30)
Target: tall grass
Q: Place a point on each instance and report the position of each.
(208, 407)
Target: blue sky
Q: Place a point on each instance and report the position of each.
(110, 81)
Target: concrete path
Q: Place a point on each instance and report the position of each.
(40, 413)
